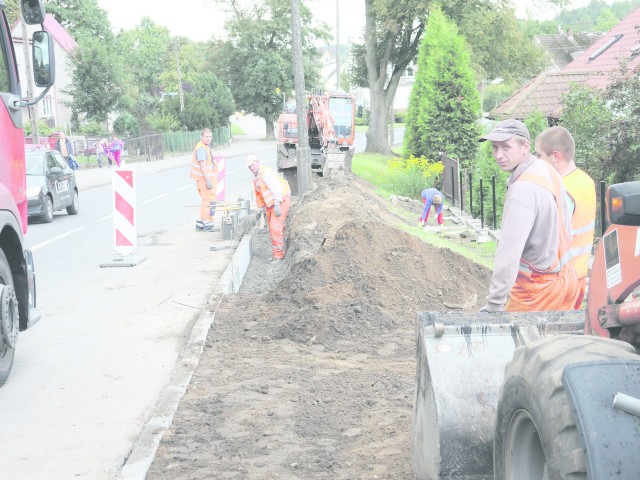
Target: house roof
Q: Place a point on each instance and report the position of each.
(563, 48)
(592, 68)
(543, 94)
(57, 31)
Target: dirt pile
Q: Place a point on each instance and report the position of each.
(309, 372)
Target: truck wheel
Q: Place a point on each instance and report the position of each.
(7, 351)
(74, 208)
(536, 435)
(47, 215)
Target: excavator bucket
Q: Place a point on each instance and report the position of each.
(460, 367)
(337, 160)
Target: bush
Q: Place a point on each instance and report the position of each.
(409, 177)
(126, 126)
(400, 117)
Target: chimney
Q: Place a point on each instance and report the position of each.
(570, 35)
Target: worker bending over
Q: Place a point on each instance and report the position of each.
(556, 146)
(431, 196)
(274, 196)
(532, 270)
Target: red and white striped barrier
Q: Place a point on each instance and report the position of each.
(220, 186)
(125, 238)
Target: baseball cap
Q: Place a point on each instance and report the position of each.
(251, 159)
(506, 129)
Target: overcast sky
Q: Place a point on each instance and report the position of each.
(200, 19)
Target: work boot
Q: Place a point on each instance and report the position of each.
(199, 225)
(207, 226)
(277, 260)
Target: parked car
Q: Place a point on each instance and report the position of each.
(51, 185)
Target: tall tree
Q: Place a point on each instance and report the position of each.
(96, 81)
(444, 103)
(256, 59)
(12, 11)
(81, 18)
(392, 37)
(147, 51)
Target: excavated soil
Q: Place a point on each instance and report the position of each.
(309, 372)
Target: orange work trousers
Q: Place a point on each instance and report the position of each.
(207, 199)
(534, 291)
(276, 227)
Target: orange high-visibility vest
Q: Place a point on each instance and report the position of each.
(583, 191)
(555, 288)
(209, 167)
(264, 197)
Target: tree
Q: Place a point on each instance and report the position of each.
(95, 89)
(12, 11)
(256, 60)
(84, 19)
(393, 32)
(444, 103)
(148, 50)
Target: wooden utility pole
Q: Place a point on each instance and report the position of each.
(304, 152)
(33, 109)
(337, 45)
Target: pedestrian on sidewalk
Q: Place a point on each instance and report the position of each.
(203, 171)
(532, 270)
(63, 145)
(273, 194)
(115, 149)
(556, 146)
(431, 196)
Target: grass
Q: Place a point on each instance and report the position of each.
(374, 169)
(236, 130)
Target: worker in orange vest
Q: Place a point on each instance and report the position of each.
(273, 194)
(532, 268)
(556, 146)
(204, 173)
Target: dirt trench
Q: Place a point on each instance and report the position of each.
(309, 372)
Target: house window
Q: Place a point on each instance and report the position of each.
(46, 106)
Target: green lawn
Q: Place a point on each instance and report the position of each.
(374, 168)
(236, 130)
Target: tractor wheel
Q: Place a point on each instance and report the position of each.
(536, 435)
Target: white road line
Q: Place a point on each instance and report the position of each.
(104, 218)
(153, 199)
(54, 239)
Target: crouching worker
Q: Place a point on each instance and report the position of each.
(431, 196)
(273, 194)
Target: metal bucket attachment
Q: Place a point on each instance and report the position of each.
(337, 160)
(460, 366)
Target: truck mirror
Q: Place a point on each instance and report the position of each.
(32, 11)
(43, 59)
(623, 204)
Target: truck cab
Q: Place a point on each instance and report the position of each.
(17, 274)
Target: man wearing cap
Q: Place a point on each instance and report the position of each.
(532, 270)
(274, 195)
(431, 196)
(556, 146)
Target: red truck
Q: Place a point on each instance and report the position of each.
(17, 275)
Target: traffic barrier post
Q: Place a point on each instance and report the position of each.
(124, 220)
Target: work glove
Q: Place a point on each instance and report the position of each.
(276, 209)
(209, 185)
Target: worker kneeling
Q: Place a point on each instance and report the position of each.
(532, 264)
(273, 194)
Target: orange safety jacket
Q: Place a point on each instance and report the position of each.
(209, 167)
(264, 196)
(583, 192)
(555, 288)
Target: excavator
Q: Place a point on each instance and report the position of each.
(331, 126)
(539, 395)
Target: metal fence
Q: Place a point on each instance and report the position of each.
(147, 148)
(462, 189)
